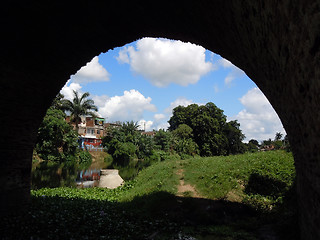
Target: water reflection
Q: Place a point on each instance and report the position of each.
(88, 178)
(53, 174)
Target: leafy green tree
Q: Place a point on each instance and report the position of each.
(235, 137)
(253, 145)
(57, 103)
(56, 140)
(130, 128)
(183, 140)
(186, 146)
(254, 142)
(126, 143)
(210, 129)
(162, 140)
(85, 159)
(145, 146)
(183, 131)
(124, 152)
(267, 142)
(79, 106)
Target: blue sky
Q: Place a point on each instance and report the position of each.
(144, 80)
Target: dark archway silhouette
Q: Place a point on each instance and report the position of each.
(277, 44)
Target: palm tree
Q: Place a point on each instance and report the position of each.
(79, 106)
(130, 127)
(278, 136)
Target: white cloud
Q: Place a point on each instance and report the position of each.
(163, 125)
(181, 101)
(145, 125)
(160, 120)
(159, 117)
(258, 120)
(100, 101)
(225, 63)
(235, 71)
(92, 72)
(130, 106)
(67, 91)
(163, 61)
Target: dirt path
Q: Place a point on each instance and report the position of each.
(186, 190)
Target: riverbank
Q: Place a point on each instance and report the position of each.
(153, 207)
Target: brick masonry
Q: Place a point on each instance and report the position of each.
(277, 44)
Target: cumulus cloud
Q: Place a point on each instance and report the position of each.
(160, 120)
(145, 125)
(100, 101)
(159, 117)
(130, 106)
(258, 120)
(234, 73)
(68, 88)
(92, 72)
(181, 101)
(163, 61)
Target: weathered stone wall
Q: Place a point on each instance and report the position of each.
(275, 42)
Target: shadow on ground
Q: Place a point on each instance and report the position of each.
(155, 216)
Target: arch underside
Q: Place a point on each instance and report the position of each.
(275, 43)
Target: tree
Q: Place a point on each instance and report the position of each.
(183, 132)
(162, 140)
(79, 106)
(235, 137)
(130, 127)
(145, 146)
(267, 142)
(183, 140)
(278, 136)
(210, 129)
(253, 145)
(56, 140)
(57, 103)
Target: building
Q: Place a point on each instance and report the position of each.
(90, 130)
(150, 133)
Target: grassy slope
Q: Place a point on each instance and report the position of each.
(159, 177)
(216, 177)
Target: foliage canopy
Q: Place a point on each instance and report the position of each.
(209, 129)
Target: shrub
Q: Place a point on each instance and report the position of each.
(108, 160)
(124, 152)
(85, 159)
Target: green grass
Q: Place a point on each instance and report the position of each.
(147, 206)
(159, 177)
(262, 176)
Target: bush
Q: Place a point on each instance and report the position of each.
(108, 160)
(85, 159)
(124, 152)
(159, 155)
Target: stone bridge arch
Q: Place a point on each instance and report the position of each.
(277, 44)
